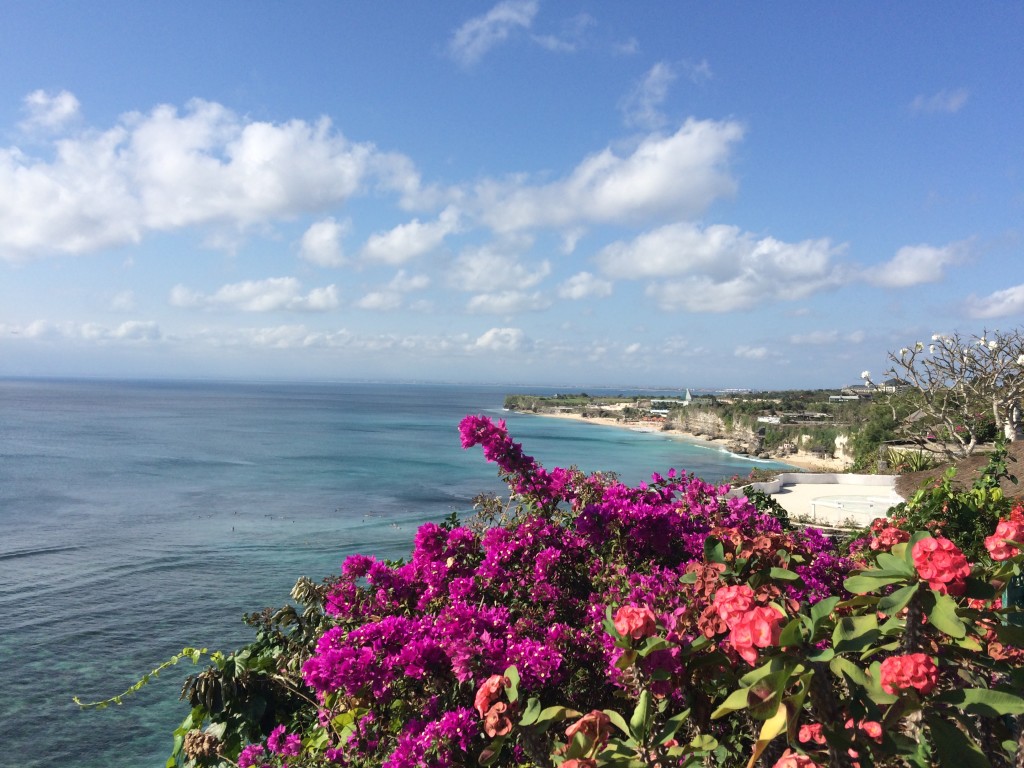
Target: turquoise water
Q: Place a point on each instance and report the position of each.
(137, 518)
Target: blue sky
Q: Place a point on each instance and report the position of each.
(567, 193)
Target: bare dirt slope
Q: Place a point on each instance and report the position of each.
(967, 470)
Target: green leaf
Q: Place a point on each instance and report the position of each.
(734, 702)
(668, 731)
(823, 609)
(764, 696)
(791, 634)
(953, 747)
(874, 686)
(704, 743)
(897, 601)
(984, 701)
(784, 574)
(652, 644)
(869, 581)
(943, 616)
(639, 723)
(512, 690)
(888, 562)
(531, 713)
(855, 633)
(714, 552)
(825, 654)
(841, 667)
(555, 714)
(617, 720)
(490, 754)
(609, 623)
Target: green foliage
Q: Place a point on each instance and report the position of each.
(902, 462)
(965, 516)
(192, 654)
(765, 502)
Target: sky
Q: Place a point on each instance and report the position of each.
(567, 193)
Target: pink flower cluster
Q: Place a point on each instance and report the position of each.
(912, 671)
(750, 627)
(494, 713)
(635, 622)
(941, 563)
(1011, 529)
(885, 536)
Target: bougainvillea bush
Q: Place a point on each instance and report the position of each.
(667, 624)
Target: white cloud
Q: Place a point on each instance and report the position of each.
(166, 170)
(321, 243)
(507, 303)
(833, 337)
(571, 37)
(380, 300)
(627, 47)
(49, 112)
(485, 268)
(681, 174)
(751, 353)
(815, 338)
(124, 301)
(501, 340)
(720, 268)
(136, 330)
(405, 283)
(392, 296)
(584, 285)
(477, 36)
(916, 264)
(270, 295)
(132, 332)
(412, 239)
(642, 106)
(1008, 301)
(698, 73)
(944, 101)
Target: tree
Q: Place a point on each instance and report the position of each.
(969, 388)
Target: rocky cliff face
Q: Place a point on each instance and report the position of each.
(742, 439)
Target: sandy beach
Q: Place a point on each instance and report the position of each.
(801, 459)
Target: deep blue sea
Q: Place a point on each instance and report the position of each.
(137, 518)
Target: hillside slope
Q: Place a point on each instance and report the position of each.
(967, 472)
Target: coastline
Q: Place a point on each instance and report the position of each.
(801, 460)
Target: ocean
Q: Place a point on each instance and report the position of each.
(137, 518)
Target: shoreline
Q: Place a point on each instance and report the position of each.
(801, 460)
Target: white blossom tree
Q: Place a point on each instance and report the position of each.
(959, 381)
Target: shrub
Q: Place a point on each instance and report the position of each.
(607, 625)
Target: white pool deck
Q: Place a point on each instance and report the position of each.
(829, 499)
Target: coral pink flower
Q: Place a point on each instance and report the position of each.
(997, 544)
(489, 692)
(941, 564)
(496, 722)
(731, 602)
(757, 628)
(888, 537)
(593, 725)
(580, 762)
(811, 732)
(916, 670)
(635, 621)
(791, 759)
